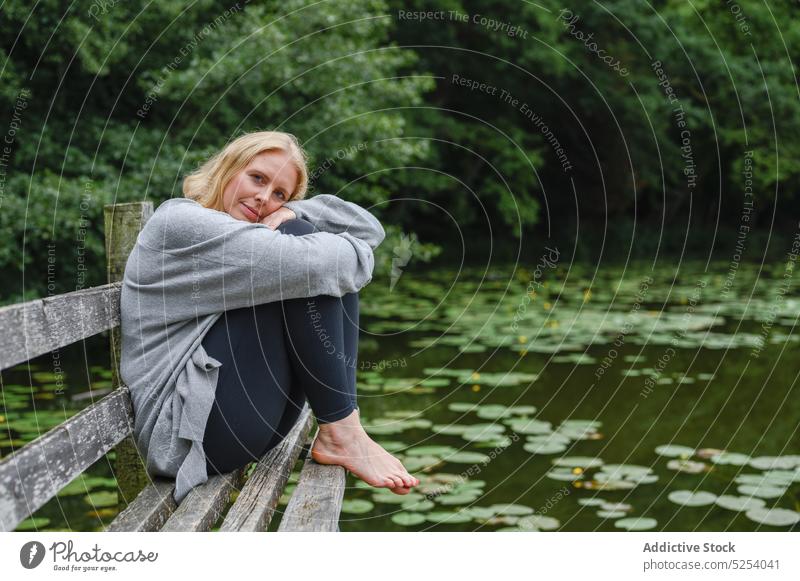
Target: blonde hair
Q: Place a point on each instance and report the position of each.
(207, 183)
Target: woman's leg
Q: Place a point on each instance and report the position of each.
(273, 355)
(253, 389)
(312, 355)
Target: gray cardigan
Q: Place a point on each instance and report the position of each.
(189, 265)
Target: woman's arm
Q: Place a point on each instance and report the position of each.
(335, 215)
(190, 261)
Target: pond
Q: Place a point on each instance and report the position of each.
(538, 398)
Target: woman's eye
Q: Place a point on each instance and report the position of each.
(257, 178)
(281, 194)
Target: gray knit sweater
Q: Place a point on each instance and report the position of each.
(189, 265)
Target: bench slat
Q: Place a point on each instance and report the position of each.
(203, 506)
(317, 500)
(255, 506)
(149, 511)
(30, 329)
(36, 472)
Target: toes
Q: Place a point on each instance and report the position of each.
(401, 490)
(408, 480)
(398, 482)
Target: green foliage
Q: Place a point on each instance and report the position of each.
(117, 101)
(126, 99)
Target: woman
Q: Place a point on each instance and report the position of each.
(239, 303)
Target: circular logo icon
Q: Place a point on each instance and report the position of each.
(31, 554)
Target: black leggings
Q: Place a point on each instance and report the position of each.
(274, 356)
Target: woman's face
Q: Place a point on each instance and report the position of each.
(262, 187)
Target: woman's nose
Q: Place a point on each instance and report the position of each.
(262, 195)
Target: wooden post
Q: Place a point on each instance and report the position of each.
(123, 222)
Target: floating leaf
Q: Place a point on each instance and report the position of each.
(408, 519)
(462, 406)
(357, 506)
(771, 462)
(448, 517)
(101, 498)
(33, 524)
(463, 497)
(511, 509)
(731, 458)
(467, 458)
(585, 462)
(692, 498)
(616, 506)
(636, 524)
(610, 514)
(763, 491)
(591, 501)
(431, 450)
(544, 447)
(740, 503)
(564, 474)
(492, 411)
(538, 522)
(687, 466)
(418, 505)
(674, 451)
(530, 426)
(776, 517)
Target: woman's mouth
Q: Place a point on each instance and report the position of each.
(249, 212)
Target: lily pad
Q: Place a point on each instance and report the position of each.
(763, 491)
(610, 514)
(445, 517)
(492, 411)
(467, 458)
(418, 505)
(731, 458)
(544, 447)
(687, 466)
(530, 426)
(674, 451)
(739, 503)
(462, 406)
(692, 498)
(357, 506)
(33, 524)
(776, 517)
(591, 501)
(538, 522)
(511, 509)
(773, 462)
(408, 519)
(585, 462)
(101, 498)
(564, 474)
(636, 524)
(431, 450)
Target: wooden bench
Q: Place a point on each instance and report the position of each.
(35, 473)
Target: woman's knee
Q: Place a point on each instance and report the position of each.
(297, 227)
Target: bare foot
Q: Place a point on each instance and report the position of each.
(345, 443)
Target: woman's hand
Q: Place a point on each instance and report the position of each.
(278, 217)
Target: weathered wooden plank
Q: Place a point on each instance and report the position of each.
(256, 503)
(149, 511)
(37, 471)
(30, 329)
(123, 222)
(316, 503)
(203, 506)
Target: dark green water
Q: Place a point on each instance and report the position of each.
(603, 400)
